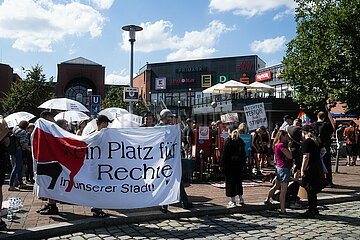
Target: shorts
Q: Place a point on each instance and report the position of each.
(351, 149)
(283, 174)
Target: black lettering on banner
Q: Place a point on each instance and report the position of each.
(106, 171)
(148, 149)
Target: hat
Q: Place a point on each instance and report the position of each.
(45, 114)
(188, 120)
(166, 113)
(307, 128)
(232, 128)
(103, 118)
(4, 130)
(294, 133)
(287, 117)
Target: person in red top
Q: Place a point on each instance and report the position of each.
(284, 163)
(350, 138)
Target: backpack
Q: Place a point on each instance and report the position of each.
(14, 144)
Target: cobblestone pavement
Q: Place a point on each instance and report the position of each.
(337, 221)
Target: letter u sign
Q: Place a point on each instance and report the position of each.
(95, 99)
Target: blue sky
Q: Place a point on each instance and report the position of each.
(48, 32)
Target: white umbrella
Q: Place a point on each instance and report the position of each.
(15, 118)
(113, 112)
(234, 85)
(120, 122)
(72, 116)
(261, 87)
(217, 88)
(63, 104)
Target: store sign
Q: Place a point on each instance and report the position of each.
(160, 83)
(206, 81)
(246, 66)
(223, 78)
(190, 69)
(182, 81)
(263, 76)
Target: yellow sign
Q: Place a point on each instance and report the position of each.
(206, 81)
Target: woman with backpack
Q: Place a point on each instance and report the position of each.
(312, 172)
(21, 143)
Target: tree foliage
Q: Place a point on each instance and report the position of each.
(322, 61)
(28, 94)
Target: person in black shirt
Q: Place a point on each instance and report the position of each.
(189, 137)
(311, 169)
(232, 163)
(324, 131)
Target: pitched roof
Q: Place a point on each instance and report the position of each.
(81, 61)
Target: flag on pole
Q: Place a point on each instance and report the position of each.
(304, 118)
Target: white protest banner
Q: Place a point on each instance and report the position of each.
(113, 168)
(255, 116)
(229, 117)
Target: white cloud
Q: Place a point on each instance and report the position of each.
(159, 36)
(248, 8)
(279, 16)
(103, 4)
(268, 46)
(37, 25)
(118, 78)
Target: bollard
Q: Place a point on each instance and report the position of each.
(201, 154)
(337, 157)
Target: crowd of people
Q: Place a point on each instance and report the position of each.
(299, 153)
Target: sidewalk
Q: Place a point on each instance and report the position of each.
(207, 199)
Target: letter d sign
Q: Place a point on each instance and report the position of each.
(222, 78)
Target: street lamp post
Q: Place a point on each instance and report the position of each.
(131, 29)
(155, 106)
(214, 105)
(179, 118)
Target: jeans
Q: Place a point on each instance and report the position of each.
(17, 168)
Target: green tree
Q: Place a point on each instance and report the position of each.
(322, 61)
(28, 94)
(114, 98)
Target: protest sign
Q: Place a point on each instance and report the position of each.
(229, 117)
(255, 116)
(111, 168)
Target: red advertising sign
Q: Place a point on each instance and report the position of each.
(263, 76)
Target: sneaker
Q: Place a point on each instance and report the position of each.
(347, 164)
(231, 204)
(51, 210)
(187, 206)
(295, 205)
(241, 200)
(13, 189)
(43, 208)
(267, 202)
(164, 208)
